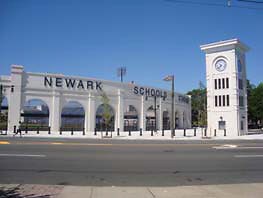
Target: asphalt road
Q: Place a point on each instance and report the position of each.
(129, 163)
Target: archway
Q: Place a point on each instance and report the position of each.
(150, 119)
(131, 119)
(166, 120)
(35, 115)
(3, 114)
(105, 118)
(72, 116)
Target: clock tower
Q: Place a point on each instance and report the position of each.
(226, 88)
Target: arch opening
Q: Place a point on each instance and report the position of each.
(150, 119)
(166, 120)
(35, 115)
(131, 119)
(105, 118)
(72, 116)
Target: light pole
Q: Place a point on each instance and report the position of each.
(171, 78)
(155, 114)
(121, 71)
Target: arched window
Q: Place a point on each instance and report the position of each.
(150, 118)
(35, 115)
(131, 119)
(72, 116)
(166, 120)
(105, 118)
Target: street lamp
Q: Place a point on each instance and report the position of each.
(171, 78)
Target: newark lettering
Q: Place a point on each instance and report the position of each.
(72, 83)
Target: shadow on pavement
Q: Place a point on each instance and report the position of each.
(15, 192)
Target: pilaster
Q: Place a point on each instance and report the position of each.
(55, 112)
(14, 108)
(90, 115)
(120, 113)
(142, 116)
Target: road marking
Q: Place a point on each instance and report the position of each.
(105, 144)
(250, 147)
(21, 155)
(237, 148)
(4, 143)
(247, 156)
(226, 146)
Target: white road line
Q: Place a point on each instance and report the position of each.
(226, 146)
(244, 156)
(236, 148)
(21, 155)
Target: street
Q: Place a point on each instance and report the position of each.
(129, 163)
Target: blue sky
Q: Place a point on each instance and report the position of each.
(151, 38)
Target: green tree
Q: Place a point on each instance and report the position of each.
(3, 117)
(199, 110)
(107, 116)
(1, 96)
(255, 104)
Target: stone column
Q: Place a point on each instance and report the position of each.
(90, 115)
(120, 112)
(14, 106)
(142, 116)
(55, 112)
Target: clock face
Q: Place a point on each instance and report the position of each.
(220, 65)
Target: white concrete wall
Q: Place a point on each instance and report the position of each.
(28, 86)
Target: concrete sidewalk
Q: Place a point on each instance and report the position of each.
(252, 190)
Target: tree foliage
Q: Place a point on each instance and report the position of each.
(199, 110)
(255, 104)
(1, 100)
(107, 116)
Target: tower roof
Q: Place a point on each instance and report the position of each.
(232, 43)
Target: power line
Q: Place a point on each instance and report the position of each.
(216, 4)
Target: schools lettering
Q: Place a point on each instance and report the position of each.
(149, 92)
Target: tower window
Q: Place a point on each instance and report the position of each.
(223, 83)
(224, 100)
(227, 83)
(227, 100)
(219, 101)
(219, 83)
(215, 83)
(216, 101)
